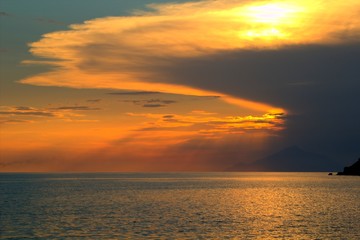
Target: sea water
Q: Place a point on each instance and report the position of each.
(179, 206)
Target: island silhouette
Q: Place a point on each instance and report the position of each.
(353, 170)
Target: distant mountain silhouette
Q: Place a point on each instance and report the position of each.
(291, 159)
(352, 170)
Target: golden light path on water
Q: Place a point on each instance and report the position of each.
(181, 206)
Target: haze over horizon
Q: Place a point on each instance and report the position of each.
(177, 85)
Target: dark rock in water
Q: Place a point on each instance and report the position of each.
(330, 174)
(352, 170)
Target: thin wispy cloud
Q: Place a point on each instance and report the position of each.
(76, 108)
(133, 93)
(14, 121)
(151, 103)
(31, 114)
(209, 124)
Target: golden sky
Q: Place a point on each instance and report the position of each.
(145, 115)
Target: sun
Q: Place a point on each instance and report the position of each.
(271, 13)
(269, 21)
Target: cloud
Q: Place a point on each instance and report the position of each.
(76, 108)
(270, 72)
(132, 52)
(23, 114)
(30, 114)
(208, 125)
(22, 108)
(323, 115)
(161, 101)
(151, 103)
(128, 63)
(133, 93)
(14, 121)
(301, 56)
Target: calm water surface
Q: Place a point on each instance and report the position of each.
(179, 206)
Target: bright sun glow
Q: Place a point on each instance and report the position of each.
(268, 21)
(272, 13)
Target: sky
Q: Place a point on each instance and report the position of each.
(149, 85)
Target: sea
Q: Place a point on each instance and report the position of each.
(236, 205)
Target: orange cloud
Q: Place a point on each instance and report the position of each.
(128, 52)
(51, 145)
(207, 124)
(21, 114)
